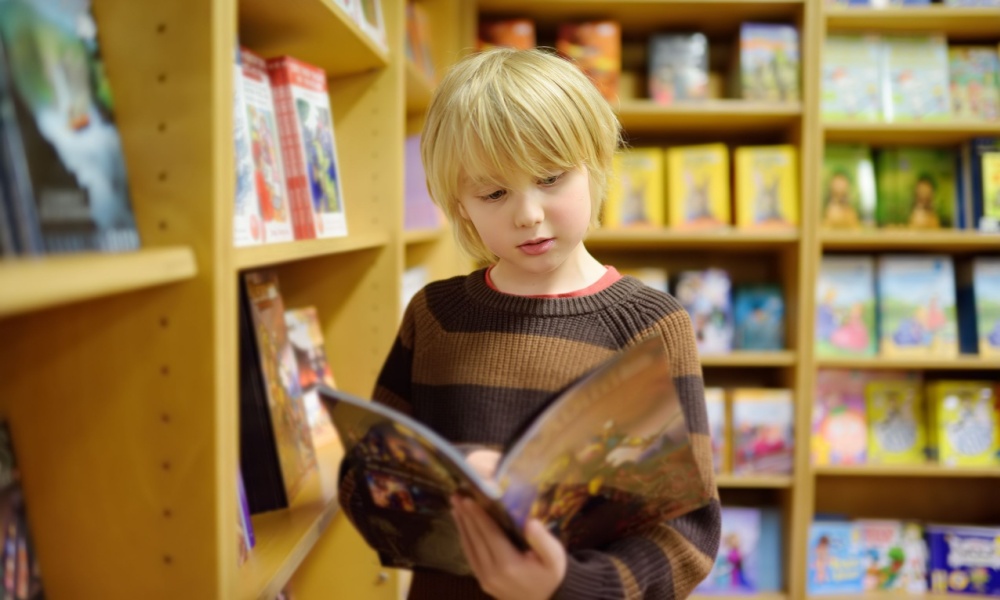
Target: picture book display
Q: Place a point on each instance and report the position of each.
(518, 34)
(769, 62)
(917, 314)
(848, 187)
(308, 148)
(986, 290)
(760, 317)
(65, 174)
(964, 422)
(845, 306)
(706, 297)
(750, 554)
(915, 76)
(636, 196)
(852, 78)
(974, 73)
(895, 555)
(678, 67)
(916, 188)
(607, 458)
(247, 226)
(839, 418)
(767, 187)
(305, 334)
(964, 560)
(715, 407)
(762, 422)
(698, 186)
(834, 559)
(897, 427)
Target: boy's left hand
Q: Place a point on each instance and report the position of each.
(503, 571)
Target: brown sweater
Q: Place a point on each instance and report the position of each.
(476, 364)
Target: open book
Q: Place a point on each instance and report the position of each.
(606, 458)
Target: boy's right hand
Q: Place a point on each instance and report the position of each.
(484, 462)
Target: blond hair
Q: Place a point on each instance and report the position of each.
(505, 113)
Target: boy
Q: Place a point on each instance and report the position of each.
(517, 147)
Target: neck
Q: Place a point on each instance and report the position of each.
(577, 272)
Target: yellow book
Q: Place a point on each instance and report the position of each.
(635, 197)
(966, 423)
(896, 426)
(698, 187)
(767, 187)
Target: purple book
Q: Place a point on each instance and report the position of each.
(419, 211)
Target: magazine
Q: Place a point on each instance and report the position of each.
(606, 458)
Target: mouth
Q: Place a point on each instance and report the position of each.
(535, 242)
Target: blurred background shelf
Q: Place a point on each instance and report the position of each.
(272, 254)
(971, 23)
(731, 239)
(928, 470)
(727, 116)
(940, 133)
(962, 362)
(747, 358)
(881, 240)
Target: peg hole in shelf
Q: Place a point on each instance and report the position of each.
(161, 78)
(162, 176)
(161, 28)
(164, 322)
(165, 417)
(168, 560)
(165, 370)
(167, 513)
(162, 127)
(166, 465)
(163, 225)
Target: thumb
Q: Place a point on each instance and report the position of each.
(549, 549)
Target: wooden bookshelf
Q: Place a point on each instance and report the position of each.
(881, 240)
(418, 90)
(959, 363)
(757, 596)
(747, 358)
(729, 239)
(891, 595)
(273, 254)
(937, 133)
(423, 236)
(37, 283)
(722, 116)
(754, 481)
(928, 470)
(958, 23)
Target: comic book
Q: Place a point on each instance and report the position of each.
(964, 423)
(698, 186)
(636, 196)
(848, 187)
(306, 338)
(308, 148)
(916, 308)
(986, 289)
(767, 187)
(852, 78)
(897, 428)
(608, 457)
(974, 74)
(915, 78)
(845, 306)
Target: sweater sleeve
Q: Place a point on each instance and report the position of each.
(668, 560)
(393, 385)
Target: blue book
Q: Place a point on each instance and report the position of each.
(749, 559)
(760, 317)
(834, 559)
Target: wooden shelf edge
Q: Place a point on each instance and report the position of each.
(722, 107)
(251, 257)
(929, 470)
(31, 284)
(751, 596)
(419, 89)
(729, 481)
(746, 358)
(421, 236)
(881, 239)
(898, 596)
(974, 363)
(666, 237)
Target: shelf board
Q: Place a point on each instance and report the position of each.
(318, 32)
(881, 240)
(285, 537)
(928, 470)
(937, 133)
(418, 89)
(728, 116)
(962, 362)
(956, 23)
(748, 358)
(422, 236)
(30, 284)
(756, 596)
(898, 596)
(754, 481)
(271, 254)
(728, 239)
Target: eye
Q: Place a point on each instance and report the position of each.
(497, 195)
(551, 179)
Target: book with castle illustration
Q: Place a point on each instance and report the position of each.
(606, 458)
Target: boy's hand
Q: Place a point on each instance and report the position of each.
(483, 462)
(503, 571)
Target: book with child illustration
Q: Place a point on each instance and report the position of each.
(916, 187)
(916, 309)
(636, 197)
(767, 187)
(749, 558)
(698, 186)
(845, 306)
(608, 457)
(852, 78)
(848, 187)
(897, 430)
(964, 423)
(986, 289)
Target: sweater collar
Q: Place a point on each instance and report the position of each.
(477, 289)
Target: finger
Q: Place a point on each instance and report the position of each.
(468, 546)
(495, 548)
(546, 546)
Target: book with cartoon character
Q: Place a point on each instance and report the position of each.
(964, 423)
(916, 187)
(897, 428)
(915, 78)
(596, 47)
(636, 195)
(974, 73)
(608, 457)
(706, 295)
(986, 289)
(834, 559)
(760, 317)
(749, 558)
(916, 309)
(848, 187)
(894, 555)
(768, 62)
(762, 430)
(678, 67)
(964, 560)
(767, 187)
(845, 306)
(839, 418)
(698, 187)
(852, 78)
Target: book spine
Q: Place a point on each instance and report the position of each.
(291, 152)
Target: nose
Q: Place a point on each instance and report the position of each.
(529, 210)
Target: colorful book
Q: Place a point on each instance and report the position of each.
(964, 560)
(305, 334)
(715, 405)
(834, 559)
(596, 47)
(915, 78)
(265, 148)
(974, 75)
(518, 34)
(762, 430)
(706, 297)
(247, 227)
(964, 423)
(852, 78)
(368, 15)
(986, 197)
(897, 427)
(895, 555)
(308, 148)
(760, 317)
(848, 187)
(698, 186)
(749, 557)
(839, 418)
(636, 196)
(986, 291)
(767, 187)
(916, 188)
(419, 210)
(678, 67)
(916, 309)
(845, 306)
(769, 62)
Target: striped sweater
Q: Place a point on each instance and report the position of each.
(476, 365)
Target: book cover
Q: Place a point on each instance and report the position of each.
(306, 337)
(852, 78)
(916, 188)
(368, 14)
(738, 567)
(289, 421)
(265, 148)
(769, 62)
(636, 195)
(897, 427)
(834, 558)
(767, 187)
(965, 423)
(69, 186)
(986, 291)
(247, 227)
(986, 206)
(596, 47)
(760, 317)
(706, 297)
(762, 431)
(715, 405)
(839, 418)
(848, 187)
(678, 67)
(308, 148)
(591, 467)
(964, 560)
(974, 74)
(915, 78)
(845, 306)
(245, 539)
(698, 186)
(894, 555)
(518, 34)
(916, 308)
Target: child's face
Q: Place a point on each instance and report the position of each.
(534, 227)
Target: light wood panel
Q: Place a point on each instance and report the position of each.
(418, 90)
(721, 116)
(272, 254)
(748, 358)
(881, 240)
(728, 239)
(958, 23)
(927, 470)
(938, 133)
(963, 362)
(754, 481)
